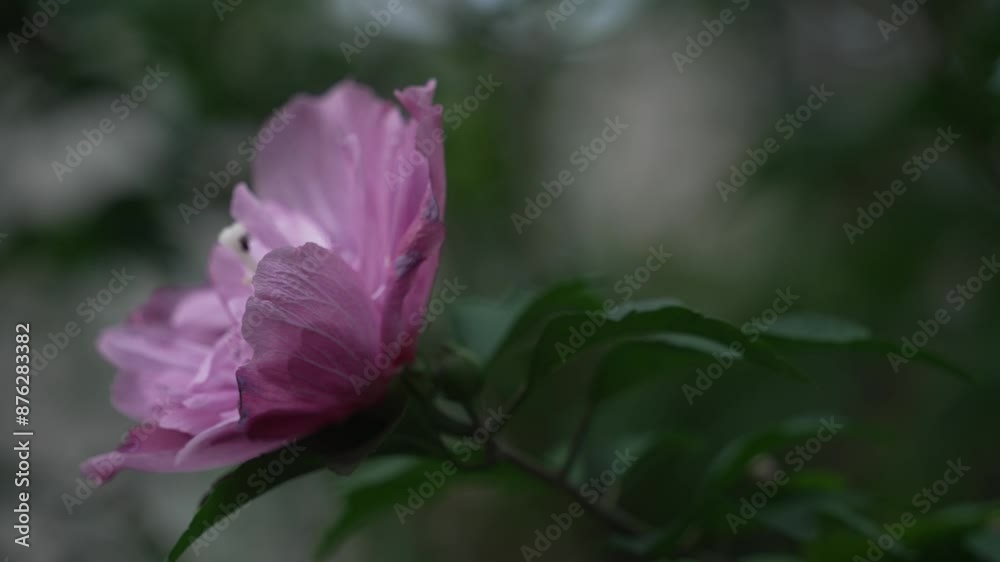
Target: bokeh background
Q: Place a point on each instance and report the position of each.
(230, 67)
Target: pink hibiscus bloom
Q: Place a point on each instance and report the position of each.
(315, 297)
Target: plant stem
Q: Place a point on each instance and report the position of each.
(435, 416)
(576, 442)
(613, 518)
(480, 422)
(515, 400)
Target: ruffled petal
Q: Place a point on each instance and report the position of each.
(224, 444)
(411, 281)
(346, 236)
(311, 164)
(419, 102)
(152, 449)
(231, 281)
(158, 449)
(313, 332)
(352, 165)
(159, 350)
(218, 371)
(140, 395)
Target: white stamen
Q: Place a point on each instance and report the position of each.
(235, 238)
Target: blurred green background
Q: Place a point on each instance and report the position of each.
(655, 185)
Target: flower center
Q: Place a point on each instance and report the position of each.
(236, 238)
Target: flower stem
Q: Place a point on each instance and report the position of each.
(576, 443)
(515, 400)
(613, 518)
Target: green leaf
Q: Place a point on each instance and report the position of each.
(340, 447)
(414, 433)
(459, 374)
(731, 462)
(770, 558)
(480, 324)
(564, 298)
(564, 336)
(839, 509)
(849, 534)
(377, 498)
(985, 545)
(817, 328)
(815, 331)
(729, 465)
(664, 471)
(414, 436)
(238, 488)
(635, 362)
(949, 525)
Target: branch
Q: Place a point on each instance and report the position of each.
(613, 518)
(576, 442)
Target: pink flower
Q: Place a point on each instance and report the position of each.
(316, 293)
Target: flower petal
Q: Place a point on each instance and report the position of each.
(313, 331)
(158, 449)
(153, 450)
(230, 279)
(352, 164)
(161, 347)
(224, 444)
(310, 165)
(410, 284)
(419, 101)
